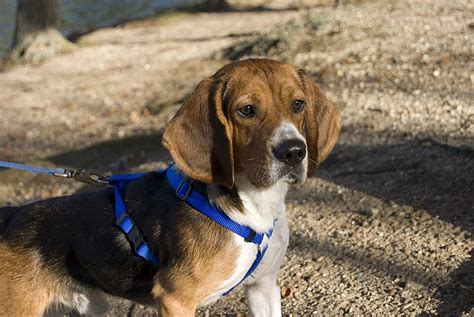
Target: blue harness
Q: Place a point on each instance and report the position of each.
(182, 189)
(193, 198)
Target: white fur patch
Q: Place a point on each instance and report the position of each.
(247, 253)
(286, 131)
(262, 205)
(93, 302)
(262, 292)
(261, 285)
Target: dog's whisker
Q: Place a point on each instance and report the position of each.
(315, 163)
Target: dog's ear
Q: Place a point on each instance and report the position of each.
(322, 124)
(199, 137)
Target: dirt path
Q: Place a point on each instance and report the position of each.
(385, 227)
(99, 91)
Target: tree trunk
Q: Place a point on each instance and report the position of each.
(216, 4)
(36, 34)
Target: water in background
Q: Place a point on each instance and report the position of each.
(77, 15)
(7, 24)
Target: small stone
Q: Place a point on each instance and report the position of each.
(374, 212)
(406, 293)
(400, 283)
(285, 292)
(414, 286)
(134, 117)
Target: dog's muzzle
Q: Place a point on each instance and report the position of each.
(291, 154)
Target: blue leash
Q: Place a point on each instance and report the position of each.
(126, 224)
(122, 219)
(34, 169)
(91, 177)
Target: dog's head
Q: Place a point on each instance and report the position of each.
(260, 118)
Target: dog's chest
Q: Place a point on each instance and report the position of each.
(261, 210)
(261, 206)
(247, 254)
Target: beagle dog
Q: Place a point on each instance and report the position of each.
(240, 139)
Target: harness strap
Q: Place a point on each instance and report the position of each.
(125, 222)
(256, 262)
(202, 204)
(183, 190)
(197, 201)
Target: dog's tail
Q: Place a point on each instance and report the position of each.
(5, 214)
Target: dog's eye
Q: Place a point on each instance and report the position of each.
(247, 111)
(298, 105)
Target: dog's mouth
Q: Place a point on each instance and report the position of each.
(293, 178)
(264, 175)
(293, 175)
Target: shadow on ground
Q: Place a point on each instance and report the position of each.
(116, 155)
(112, 156)
(198, 8)
(423, 174)
(420, 173)
(457, 296)
(362, 259)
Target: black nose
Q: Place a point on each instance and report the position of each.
(290, 152)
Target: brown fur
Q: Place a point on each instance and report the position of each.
(208, 120)
(26, 290)
(181, 288)
(209, 142)
(200, 266)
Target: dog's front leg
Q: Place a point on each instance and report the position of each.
(174, 306)
(262, 291)
(263, 296)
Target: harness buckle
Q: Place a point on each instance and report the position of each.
(65, 174)
(251, 236)
(91, 177)
(134, 236)
(187, 190)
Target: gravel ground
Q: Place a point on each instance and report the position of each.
(386, 225)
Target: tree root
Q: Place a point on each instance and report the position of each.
(40, 46)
